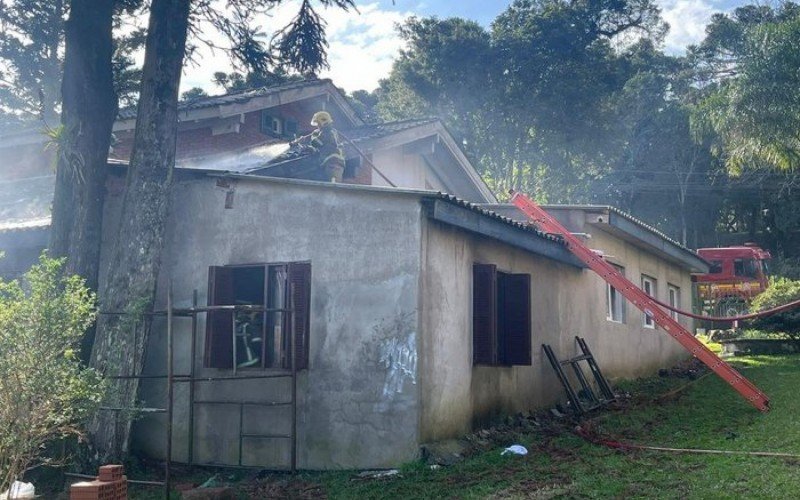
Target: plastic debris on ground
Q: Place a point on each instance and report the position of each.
(515, 449)
(378, 474)
(19, 490)
(211, 482)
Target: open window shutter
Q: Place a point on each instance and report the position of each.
(300, 300)
(219, 328)
(484, 314)
(516, 311)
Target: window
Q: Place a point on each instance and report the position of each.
(745, 267)
(649, 287)
(501, 317)
(674, 299)
(258, 339)
(290, 128)
(615, 302)
(352, 167)
(276, 126)
(715, 267)
(271, 125)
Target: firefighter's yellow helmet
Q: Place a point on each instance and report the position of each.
(321, 118)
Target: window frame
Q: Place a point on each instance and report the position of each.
(501, 317)
(289, 331)
(648, 321)
(269, 122)
(674, 292)
(611, 294)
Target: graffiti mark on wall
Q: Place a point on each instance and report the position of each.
(399, 357)
(393, 349)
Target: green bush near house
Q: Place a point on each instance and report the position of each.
(780, 291)
(45, 390)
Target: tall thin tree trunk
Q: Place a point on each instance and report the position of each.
(88, 112)
(52, 68)
(136, 254)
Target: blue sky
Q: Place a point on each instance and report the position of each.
(363, 46)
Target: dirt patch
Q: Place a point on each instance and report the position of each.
(529, 488)
(295, 489)
(691, 368)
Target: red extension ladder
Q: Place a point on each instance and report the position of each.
(642, 301)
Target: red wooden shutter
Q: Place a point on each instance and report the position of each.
(515, 310)
(484, 314)
(300, 299)
(219, 327)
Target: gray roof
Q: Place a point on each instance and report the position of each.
(627, 216)
(378, 130)
(25, 203)
(632, 227)
(477, 208)
(233, 97)
(357, 135)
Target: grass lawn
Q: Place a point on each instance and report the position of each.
(707, 414)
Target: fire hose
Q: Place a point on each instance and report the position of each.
(618, 445)
(759, 314)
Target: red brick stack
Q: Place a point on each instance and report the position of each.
(111, 484)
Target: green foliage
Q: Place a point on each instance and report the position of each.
(31, 35)
(31, 53)
(576, 102)
(193, 94)
(364, 103)
(235, 81)
(780, 291)
(756, 108)
(787, 267)
(299, 46)
(45, 391)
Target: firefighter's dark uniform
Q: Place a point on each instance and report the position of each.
(325, 143)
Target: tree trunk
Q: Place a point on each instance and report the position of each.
(136, 254)
(88, 112)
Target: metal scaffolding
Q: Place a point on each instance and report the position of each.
(171, 313)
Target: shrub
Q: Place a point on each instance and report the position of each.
(780, 291)
(45, 391)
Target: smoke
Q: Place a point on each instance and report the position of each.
(241, 162)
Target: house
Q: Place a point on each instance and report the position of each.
(423, 316)
(400, 307)
(238, 132)
(235, 131)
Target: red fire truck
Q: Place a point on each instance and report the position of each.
(736, 276)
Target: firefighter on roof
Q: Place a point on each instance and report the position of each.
(324, 141)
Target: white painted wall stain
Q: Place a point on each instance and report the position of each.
(399, 357)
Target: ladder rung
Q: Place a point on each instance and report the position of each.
(582, 357)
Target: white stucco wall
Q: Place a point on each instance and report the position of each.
(565, 302)
(405, 170)
(358, 401)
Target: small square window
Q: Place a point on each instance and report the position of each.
(271, 125)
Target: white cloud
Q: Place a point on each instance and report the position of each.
(687, 20)
(362, 46)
